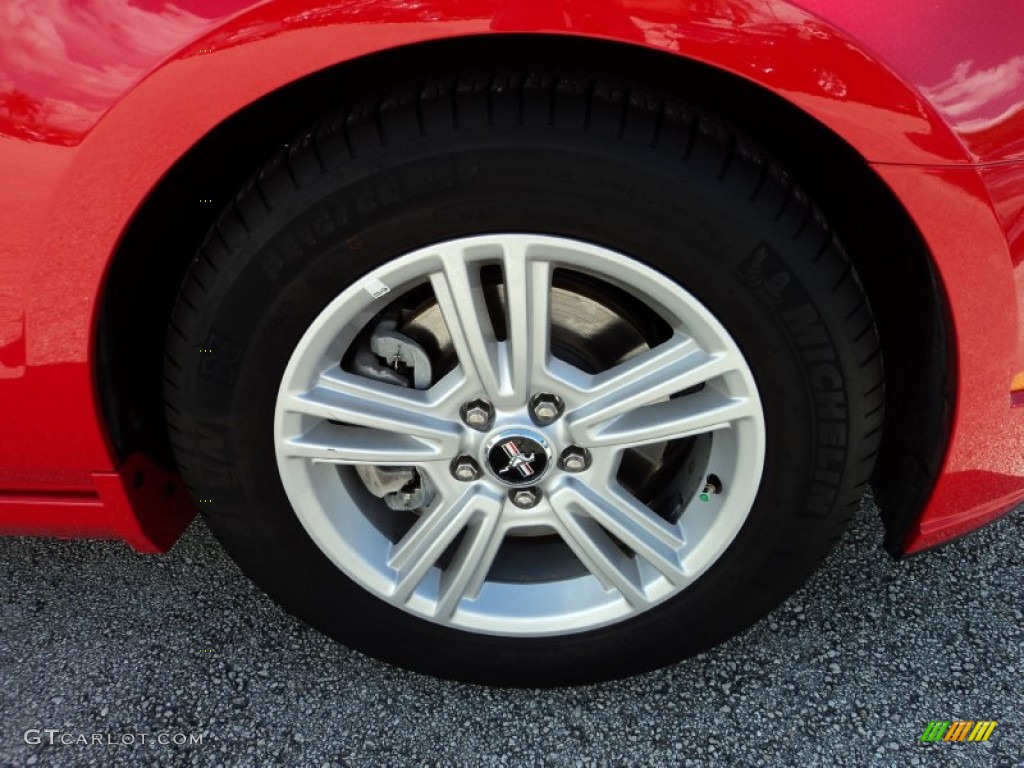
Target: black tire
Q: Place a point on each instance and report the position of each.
(554, 154)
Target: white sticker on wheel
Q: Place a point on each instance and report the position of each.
(376, 288)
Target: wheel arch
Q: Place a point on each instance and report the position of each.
(900, 279)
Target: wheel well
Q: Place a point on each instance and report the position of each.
(891, 258)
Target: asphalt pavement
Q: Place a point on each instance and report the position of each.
(179, 660)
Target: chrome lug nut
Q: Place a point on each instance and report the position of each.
(524, 498)
(574, 459)
(545, 408)
(465, 469)
(477, 414)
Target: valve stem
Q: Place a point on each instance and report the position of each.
(712, 487)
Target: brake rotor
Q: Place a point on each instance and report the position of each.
(590, 327)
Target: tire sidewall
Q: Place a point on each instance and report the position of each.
(734, 256)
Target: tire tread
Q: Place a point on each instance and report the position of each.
(538, 101)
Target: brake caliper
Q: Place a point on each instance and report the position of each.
(394, 358)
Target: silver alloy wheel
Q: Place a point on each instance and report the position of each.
(695, 383)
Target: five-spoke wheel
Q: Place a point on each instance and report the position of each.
(516, 442)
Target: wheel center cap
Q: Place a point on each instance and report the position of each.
(518, 456)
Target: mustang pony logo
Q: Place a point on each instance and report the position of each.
(517, 459)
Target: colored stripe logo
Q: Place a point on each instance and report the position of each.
(958, 730)
(518, 459)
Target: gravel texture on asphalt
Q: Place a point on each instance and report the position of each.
(95, 639)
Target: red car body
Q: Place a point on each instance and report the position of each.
(101, 100)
